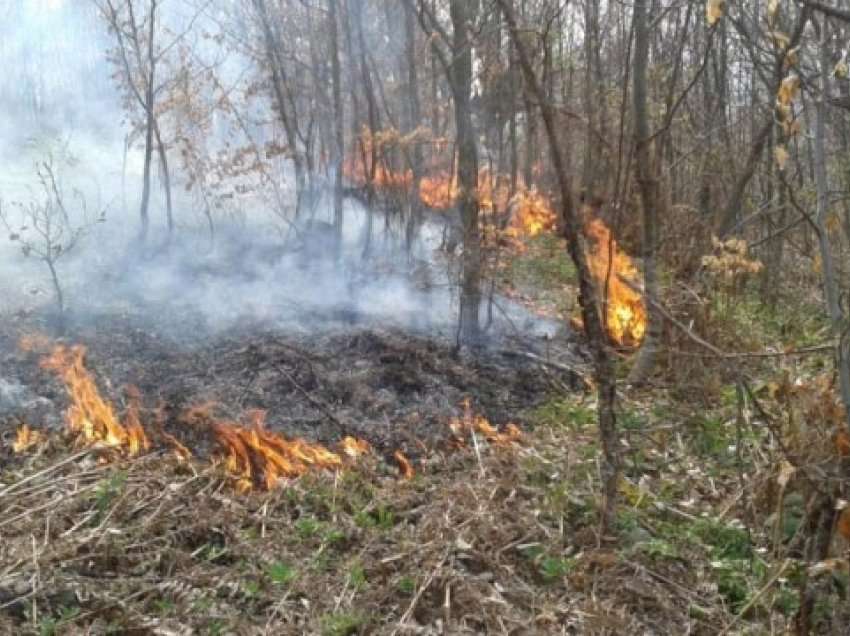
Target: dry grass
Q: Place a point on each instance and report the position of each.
(496, 541)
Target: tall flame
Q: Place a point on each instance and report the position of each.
(625, 313)
(91, 418)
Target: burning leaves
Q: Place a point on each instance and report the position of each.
(91, 418)
(529, 213)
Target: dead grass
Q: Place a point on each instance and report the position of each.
(498, 541)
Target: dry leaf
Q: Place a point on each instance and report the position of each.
(843, 526)
(404, 466)
(714, 10)
(841, 71)
(842, 443)
(772, 10)
(828, 566)
(788, 90)
(780, 39)
(791, 127)
(781, 155)
(792, 57)
(786, 472)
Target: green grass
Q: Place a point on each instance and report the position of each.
(342, 623)
(281, 573)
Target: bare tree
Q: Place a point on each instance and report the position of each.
(44, 229)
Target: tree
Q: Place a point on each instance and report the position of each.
(138, 55)
(46, 230)
(590, 309)
(454, 51)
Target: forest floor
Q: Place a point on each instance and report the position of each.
(485, 538)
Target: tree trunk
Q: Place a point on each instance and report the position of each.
(339, 123)
(597, 340)
(467, 170)
(830, 282)
(166, 177)
(648, 184)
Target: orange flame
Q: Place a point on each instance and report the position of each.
(354, 447)
(405, 468)
(438, 191)
(533, 214)
(625, 311)
(90, 417)
(26, 438)
(254, 454)
(471, 422)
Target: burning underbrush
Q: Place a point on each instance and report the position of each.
(510, 218)
(465, 526)
(363, 481)
(249, 404)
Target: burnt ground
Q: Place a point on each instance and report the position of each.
(395, 389)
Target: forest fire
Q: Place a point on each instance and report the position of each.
(91, 418)
(625, 311)
(254, 453)
(26, 438)
(251, 453)
(470, 422)
(530, 214)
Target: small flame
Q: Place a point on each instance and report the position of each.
(625, 311)
(471, 422)
(254, 454)
(90, 417)
(354, 448)
(405, 468)
(26, 438)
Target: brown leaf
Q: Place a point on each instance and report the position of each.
(714, 10)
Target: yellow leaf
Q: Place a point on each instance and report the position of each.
(841, 71)
(833, 223)
(714, 10)
(788, 90)
(786, 471)
(781, 156)
(772, 10)
(791, 127)
(780, 39)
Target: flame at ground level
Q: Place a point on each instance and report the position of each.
(528, 214)
(254, 453)
(26, 438)
(91, 418)
(253, 456)
(470, 422)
